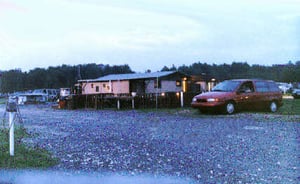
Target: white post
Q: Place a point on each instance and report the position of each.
(133, 94)
(11, 134)
(181, 99)
(118, 104)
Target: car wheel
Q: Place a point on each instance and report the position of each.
(230, 108)
(273, 106)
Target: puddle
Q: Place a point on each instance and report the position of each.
(59, 177)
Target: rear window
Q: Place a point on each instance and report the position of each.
(264, 86)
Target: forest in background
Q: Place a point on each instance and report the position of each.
(67, 76)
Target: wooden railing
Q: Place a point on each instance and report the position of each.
(153, 100)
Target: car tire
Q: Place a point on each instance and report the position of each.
(273, 107)
(229, 107)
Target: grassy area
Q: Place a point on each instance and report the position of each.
(24, 157)
(2, 100)
(290, 107)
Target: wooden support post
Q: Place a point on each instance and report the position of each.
(181, 99)
(118, 104)
(132, 103)
(96, 102)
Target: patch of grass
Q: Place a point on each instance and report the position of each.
(24, 157)
(290, 107)
(2, 100)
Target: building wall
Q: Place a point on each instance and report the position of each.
(120, 87)
(90, 88)
(166, 86)
(114, 87)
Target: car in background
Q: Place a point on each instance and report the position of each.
(50, 95)
(284, 87)
(296, 93)
(232, 95)
(64, 93)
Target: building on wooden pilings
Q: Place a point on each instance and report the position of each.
(145, 90)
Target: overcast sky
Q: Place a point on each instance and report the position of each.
(147, 34)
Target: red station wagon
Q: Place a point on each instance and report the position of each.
(232, 95)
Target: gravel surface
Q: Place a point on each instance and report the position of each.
(241, 148)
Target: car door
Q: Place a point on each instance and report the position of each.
(246, 96)
(262, 94)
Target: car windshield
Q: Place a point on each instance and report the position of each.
(226, 86)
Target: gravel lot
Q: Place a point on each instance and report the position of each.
(242, 148)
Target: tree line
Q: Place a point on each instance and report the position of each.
(55, 77)
(67, 76)
(281, 73)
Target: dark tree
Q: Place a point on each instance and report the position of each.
(12, 80)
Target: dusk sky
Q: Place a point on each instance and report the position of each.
(147, 34)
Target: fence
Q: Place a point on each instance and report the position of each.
(153, 100)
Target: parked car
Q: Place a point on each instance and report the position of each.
(47, 94)
(64, 93)
(232, 95)
(296, 93)
(284, 87)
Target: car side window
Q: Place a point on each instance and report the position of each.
(273, 87)
(246, 87)
(261, 86)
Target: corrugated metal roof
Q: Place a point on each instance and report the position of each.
(130, 76)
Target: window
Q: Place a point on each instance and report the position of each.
(97, 88)
(92, 85)
(247, 87)
(261, 86)
(157, 83)
(226, 86)
(273, 87)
